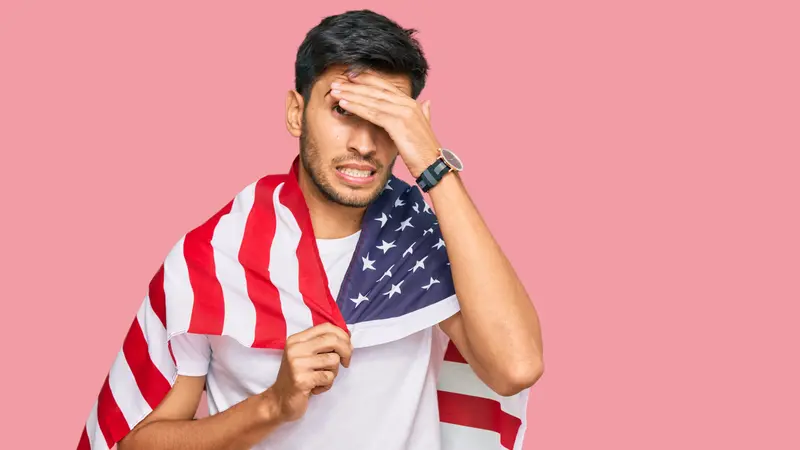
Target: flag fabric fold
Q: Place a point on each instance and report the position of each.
(252, 272)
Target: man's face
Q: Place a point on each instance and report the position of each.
(348, 158)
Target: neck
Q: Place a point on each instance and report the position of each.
(330, 220)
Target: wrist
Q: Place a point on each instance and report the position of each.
(443, 166)
(416, 169)
(269, 409)
(446, 190)
(422, 160)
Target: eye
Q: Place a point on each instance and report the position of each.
(341, 111)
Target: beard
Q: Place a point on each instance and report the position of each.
(314, 166)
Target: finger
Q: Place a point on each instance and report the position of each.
(333, 343)
(371, 91)
(323, 386)
(365, 112)
(317, 378)
(322, 377)
(372, 78)
(316, 331)
(380, 106)
(320, 389)
(378, 112)
(321, 361)
(327, 343)
(426, 110)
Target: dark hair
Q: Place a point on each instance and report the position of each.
(360, 40)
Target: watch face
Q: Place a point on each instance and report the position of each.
(452, 160)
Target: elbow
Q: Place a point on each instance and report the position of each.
(518, 376)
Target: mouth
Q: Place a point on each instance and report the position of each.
(356, 174)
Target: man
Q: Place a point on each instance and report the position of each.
(296, 308)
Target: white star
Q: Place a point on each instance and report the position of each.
(358, 300)
(429, 230)
(382, 219)
(405, 224)
(394, 290)
(399, 202)
(367, 263)
(419, 265)
(409, 250)
(388, 273)
(427, 208)
(428, 286)
(416, 207)
(439, 244)
(386, 246)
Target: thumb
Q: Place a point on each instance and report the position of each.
(426, 109)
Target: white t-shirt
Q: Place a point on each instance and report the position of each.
(385, 400)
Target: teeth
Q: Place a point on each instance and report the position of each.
(355, 172)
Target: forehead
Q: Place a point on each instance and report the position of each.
(339, 72)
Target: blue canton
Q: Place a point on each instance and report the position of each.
(400, 263)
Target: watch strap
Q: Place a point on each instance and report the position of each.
(431, 176)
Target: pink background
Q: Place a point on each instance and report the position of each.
(637, 161)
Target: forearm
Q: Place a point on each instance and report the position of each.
(499, 320)
(239, 427)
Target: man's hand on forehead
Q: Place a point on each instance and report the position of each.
(369, 77)
(374, 98)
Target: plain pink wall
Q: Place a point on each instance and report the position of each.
(638, 161)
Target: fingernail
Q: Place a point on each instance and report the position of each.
(336, 85)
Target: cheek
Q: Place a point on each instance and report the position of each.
(335, 134)
(387, 150)
(329, 134)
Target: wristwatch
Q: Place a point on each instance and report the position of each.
(446, 162)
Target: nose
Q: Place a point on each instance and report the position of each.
(363, 139)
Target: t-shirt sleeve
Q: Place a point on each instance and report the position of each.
(192, 354)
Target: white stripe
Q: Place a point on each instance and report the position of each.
(461, 379)
(457, 437)
(178, 290)
(284, 268)
(156, 336)
(380, 331)
(520, 441)
(96, 438)
(240, 313)
(126, 392)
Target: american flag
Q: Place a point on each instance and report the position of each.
(252, 272)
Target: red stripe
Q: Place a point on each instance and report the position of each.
(172, 354)
(150, 380)
(254, 256)
(313, 281)
(84, 443)
(208, 311)
(109, 417)
(478, 412)
(158, 301)
(453, 355)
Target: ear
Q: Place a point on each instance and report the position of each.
(294, 113)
